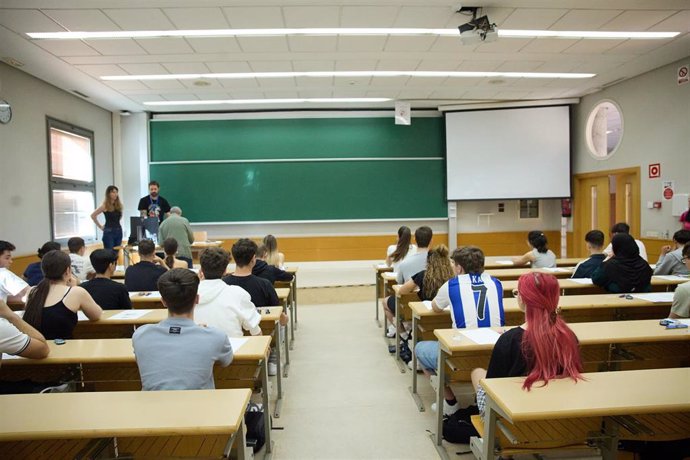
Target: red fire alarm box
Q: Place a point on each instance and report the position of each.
(566, 208)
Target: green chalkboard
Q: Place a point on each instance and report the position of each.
(321, 188)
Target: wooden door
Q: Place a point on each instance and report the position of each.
(628, 201)
(592, 209)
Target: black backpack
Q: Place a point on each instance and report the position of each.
(458, 428)
(254, 422)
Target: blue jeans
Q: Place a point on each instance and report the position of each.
(427, 354)
(112, 236)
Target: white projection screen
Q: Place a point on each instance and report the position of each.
(518, 153)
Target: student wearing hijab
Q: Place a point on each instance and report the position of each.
(625, 271)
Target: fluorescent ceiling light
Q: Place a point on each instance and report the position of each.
(346, 74)
(335, 31)
(272, 101)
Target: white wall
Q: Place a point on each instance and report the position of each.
(656, 119)
(24, 205)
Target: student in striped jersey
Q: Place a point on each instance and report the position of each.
(475, 299)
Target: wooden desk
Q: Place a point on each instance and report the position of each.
(199, 246)
(402, 313)
(146, 300)
(153, 424)
(570, 287)
(604, 346)
(379, 269)
(505, 274)
(618, 399)
(110, 365)
(293, 290)
(492, 262)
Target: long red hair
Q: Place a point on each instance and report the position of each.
(549, 346)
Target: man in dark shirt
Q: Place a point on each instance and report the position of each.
(595, 246)
(144, 275)
(261, 290)
(107, 293)
(270, 272)
(154, 205)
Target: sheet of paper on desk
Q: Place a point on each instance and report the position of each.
(655, 296)
(427, 304)
(149, 294)
(482, 336)
(557, 270)
(382, 266)
(131, 314)
(672, 277)
(504, 262)
(6, 356)
(81, 316)
(582, 280)
(119, 268)
(236, 343)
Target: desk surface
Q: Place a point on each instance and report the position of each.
(283, 293)
(120, 351)
(121, 413)
(495, 261)
(603, 332)
(601, 394)
(515, 273)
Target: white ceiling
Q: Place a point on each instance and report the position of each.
(77, 65)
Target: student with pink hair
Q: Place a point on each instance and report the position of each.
(542, 348)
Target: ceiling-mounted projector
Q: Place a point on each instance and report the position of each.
(478, 30)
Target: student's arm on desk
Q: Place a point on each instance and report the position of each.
(37, 347)
(86, 304)
(225, 353)
(442, 299)
(523, 259)
(249, 315)
(20, 296)
(408, 288)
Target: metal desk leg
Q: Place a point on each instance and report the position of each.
(438, 438)
(292, 323)
(294, 297)
(401, 364)
(279, 373)
(287, 349)
(377, 284)
(239, 439)
(413, 388)
(265, 400)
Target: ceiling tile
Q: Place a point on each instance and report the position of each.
(481, 93)
(471, 65)
(313, 66)
(260, 17)
(180, 96)
(409, 44)
(438, 65)
(356, 64)
(424, 16)
(313, 44)
(164, 84)
(463, 82)
(197, 18)
(125, 85)
(246, 94)
(101, 70)
(393, 82)
(139, 19)
(186, 67)
(144, 69)
(230, 66)
(214, 45)
(245, 83)
(165, 45)
(361, 44)
(311, 16)
(63, 48)
(306, 82)
(447, 93)
(585, 19)
(450, 45)
(561, 65)
(214, 96)
(679, 22)
(368, 16)
(636, 47)
(548, 45)
(636, 20)
(512, 95)
(315, 93)
(414, 93)
(280, 94)
(502, 45)
(145, 97)
(532, 18)
(592, 46)
(271, 83)
(431, 82)
(24, 21)
(204, 85)
(352, 82)
(263, 44)
(397, 64)
(519, 65)
(271, 66)
(120, 47)
(82, 20)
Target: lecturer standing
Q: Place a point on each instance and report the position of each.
(154, 205)
(177, 227)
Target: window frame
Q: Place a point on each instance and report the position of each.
(538, 207)
(69, 184)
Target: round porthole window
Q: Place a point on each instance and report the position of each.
(604, 130)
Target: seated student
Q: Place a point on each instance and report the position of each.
(261, 290)
(170, 248)
(543, 348)
(144, 275)
(396, 253)
(625, 271)
(622, 227)
(270, 272)
(416, 262)
(178, 354)
(18, 338)
(12, 287)
(108, 294)
(81, 266)
(273, 256)
(540, 256)
(53, 304)
(680, 308)
(438, 270)
(467, 309)
(595, 244)
(33, 274)
(671, 259)
(229, 308)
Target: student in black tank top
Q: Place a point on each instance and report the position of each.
(53, 304)
(112, 211)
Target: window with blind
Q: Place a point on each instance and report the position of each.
(72, 186)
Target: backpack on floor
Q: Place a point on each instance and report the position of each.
(458, 428)
(254, 422)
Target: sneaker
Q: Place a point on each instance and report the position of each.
(391, 331)
(448, 410)
(419, 366)
(272, 369)
(272, 363)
